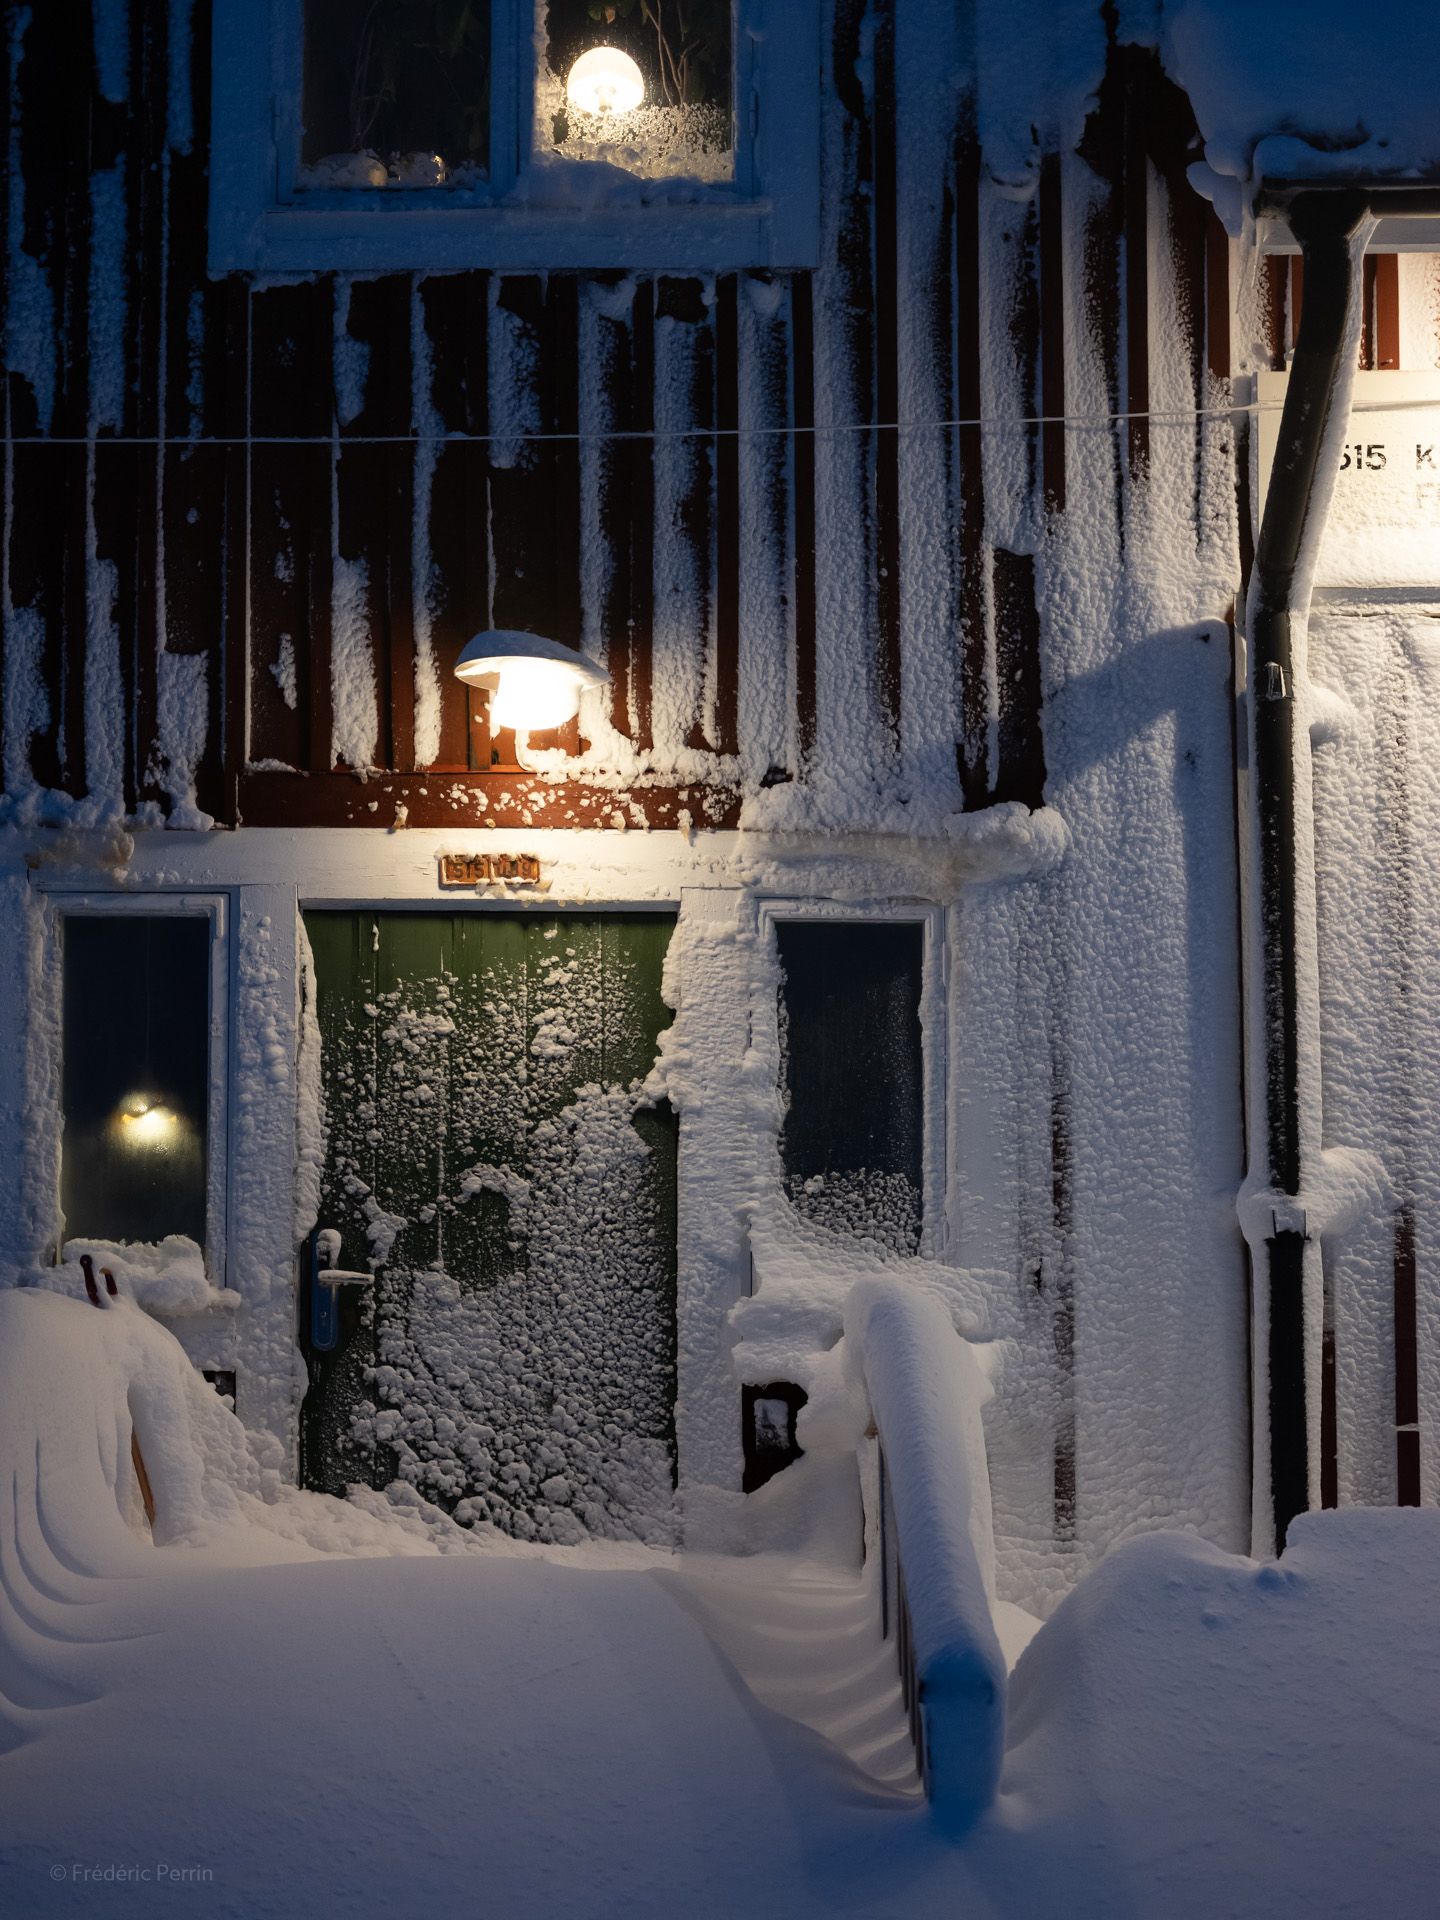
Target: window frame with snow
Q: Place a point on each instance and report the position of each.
(933, 1019)
(64, 906)
(525, 216)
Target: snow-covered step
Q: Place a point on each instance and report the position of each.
(806, 1641)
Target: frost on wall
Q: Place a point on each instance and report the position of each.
(491, 1161)
(182, 722)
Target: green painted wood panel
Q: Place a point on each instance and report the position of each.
(490, 1155)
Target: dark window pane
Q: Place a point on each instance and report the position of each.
(396, 93)
(136, 1076)
(684, 56)
(853, 1140)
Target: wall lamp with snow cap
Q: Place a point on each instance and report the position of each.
(605, 80)
(533, 683)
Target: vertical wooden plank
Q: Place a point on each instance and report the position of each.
(973, 747)
(1020, 769)
(764, 563)
(147, 181)
(886, 292)
(36, 479)
(563, 374)
(564, 974)
(342, 947)
(802, 495)
(855, 688)
(371, 595)
(1407, 1363)
(1169, 136)
(1059, 1285)
(1101, 293)
(289, 525)
(1274, 299)
(520, 523)
(641, 469)
(230, 334)
(1217, 296)
(199, 387)
(1135, 216)
(483, 1242)
(39, 124)
(1329, 1414)
(35, 583)
(1387, 309)
(561, 465)
(1052, 334)
(455, 310)
(604, 407)
(518, 516)
(412, 1071)
(683, 631)
(633, 1013)
(1367, 311)
(69, 46)
(727, 453)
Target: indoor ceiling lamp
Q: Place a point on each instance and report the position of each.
(533, 683)
(605, 80)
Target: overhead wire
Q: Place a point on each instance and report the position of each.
(582, 436)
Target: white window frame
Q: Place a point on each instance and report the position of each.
(214, 908)
(258, 222)
(934, 995)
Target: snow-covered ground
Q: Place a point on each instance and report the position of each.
(290, 1705)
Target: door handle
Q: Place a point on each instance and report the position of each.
(325, 1280)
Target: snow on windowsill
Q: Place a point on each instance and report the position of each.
(166, 1278)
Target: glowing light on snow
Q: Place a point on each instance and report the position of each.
(605, 80)
(146, 1122)
(533, 683)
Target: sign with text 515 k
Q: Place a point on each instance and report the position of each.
(1384, 524)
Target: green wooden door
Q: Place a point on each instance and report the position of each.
(490, 1154)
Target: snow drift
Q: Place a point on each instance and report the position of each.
(1192, 1733)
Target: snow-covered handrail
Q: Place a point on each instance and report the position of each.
(925, 1391)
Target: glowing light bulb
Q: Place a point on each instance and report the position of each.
(533, 683)
(535, 694)
(145, 1122)
(605, 80)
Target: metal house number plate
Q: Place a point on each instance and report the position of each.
(489, 869)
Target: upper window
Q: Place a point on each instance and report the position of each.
(678, 134)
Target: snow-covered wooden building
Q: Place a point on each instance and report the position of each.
(882, 405)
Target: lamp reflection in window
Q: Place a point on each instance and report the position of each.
(146, 1123)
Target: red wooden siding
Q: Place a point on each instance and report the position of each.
(274, 495)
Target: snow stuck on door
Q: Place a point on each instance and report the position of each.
(492, 1160)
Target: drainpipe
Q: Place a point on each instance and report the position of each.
(1283, 1017)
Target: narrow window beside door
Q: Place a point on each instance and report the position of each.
(852, 1146)
(135, 1084)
